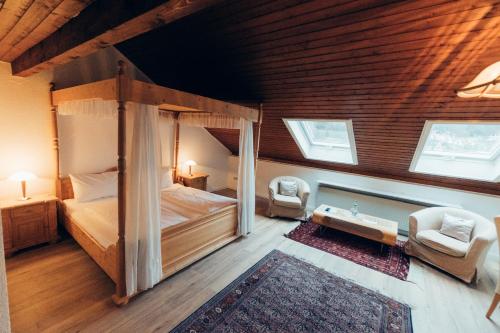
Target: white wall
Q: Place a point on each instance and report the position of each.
(212, 157)
(87, 144)
(25, 132)
(483, 204)
(390, 209)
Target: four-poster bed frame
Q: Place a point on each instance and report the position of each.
(181, 244)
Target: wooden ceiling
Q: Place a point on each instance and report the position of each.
(36, 35)
(387, 65)
(24, 23)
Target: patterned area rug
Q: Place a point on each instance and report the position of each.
(391, 261)
(284, 294)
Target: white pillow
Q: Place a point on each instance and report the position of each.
(88, 187)
(288, 188)
(457, 227)
(166, 178)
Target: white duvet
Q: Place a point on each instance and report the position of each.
(191, 199)
(179, 204)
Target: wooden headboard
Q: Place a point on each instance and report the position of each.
(64, 188)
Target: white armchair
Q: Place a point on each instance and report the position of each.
(449, 254)
(285, 206)
(496, 298)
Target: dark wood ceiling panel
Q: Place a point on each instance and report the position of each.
(387, 65)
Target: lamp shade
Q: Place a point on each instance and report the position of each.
(485, 84)
(190, 163)
(22, 176)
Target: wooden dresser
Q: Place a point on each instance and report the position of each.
(197, 180)
(28, 223)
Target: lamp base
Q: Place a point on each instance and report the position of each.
(23, 188)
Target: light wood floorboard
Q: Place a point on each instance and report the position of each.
(58, 288)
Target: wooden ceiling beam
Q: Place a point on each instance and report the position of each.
(102, 24)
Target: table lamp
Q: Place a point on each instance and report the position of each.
(190, 164)
(23, 176)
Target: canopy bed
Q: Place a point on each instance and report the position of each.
(147, 231)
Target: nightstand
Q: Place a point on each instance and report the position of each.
(197, 180)
(28, 223)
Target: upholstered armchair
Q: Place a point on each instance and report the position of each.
(496, 297)
(288, 206)
(458, 258)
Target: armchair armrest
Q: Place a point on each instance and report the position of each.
(303, 191)
(480, 243)
(426, 219)
(273, 189)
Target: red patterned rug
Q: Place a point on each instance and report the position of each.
(284, 294)
(391, 261)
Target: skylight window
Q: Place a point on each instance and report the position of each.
(468, 150)
(324, 140)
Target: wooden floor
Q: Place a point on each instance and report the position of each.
(58, 288)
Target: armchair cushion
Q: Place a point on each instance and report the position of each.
(287, 201)
(457, 227)
(442, 243)
(288, 188)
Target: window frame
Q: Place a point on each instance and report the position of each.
(306, 134)
(425, 135)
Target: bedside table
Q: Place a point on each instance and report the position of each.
(197, 180)
(28, 223)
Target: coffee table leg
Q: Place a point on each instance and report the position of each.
(381, 248)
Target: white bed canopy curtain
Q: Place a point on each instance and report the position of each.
(246, 167)
(143, 261)
(246, 179)
(246, 171)
(208, 120)
(94, 107)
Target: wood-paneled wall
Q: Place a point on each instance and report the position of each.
(387, 65)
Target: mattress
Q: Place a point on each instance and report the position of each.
(179, 204)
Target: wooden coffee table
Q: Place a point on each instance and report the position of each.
(367, 226)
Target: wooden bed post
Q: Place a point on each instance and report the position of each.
(257, 137)
(176, 144)
(120, 296)
(55, 139)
